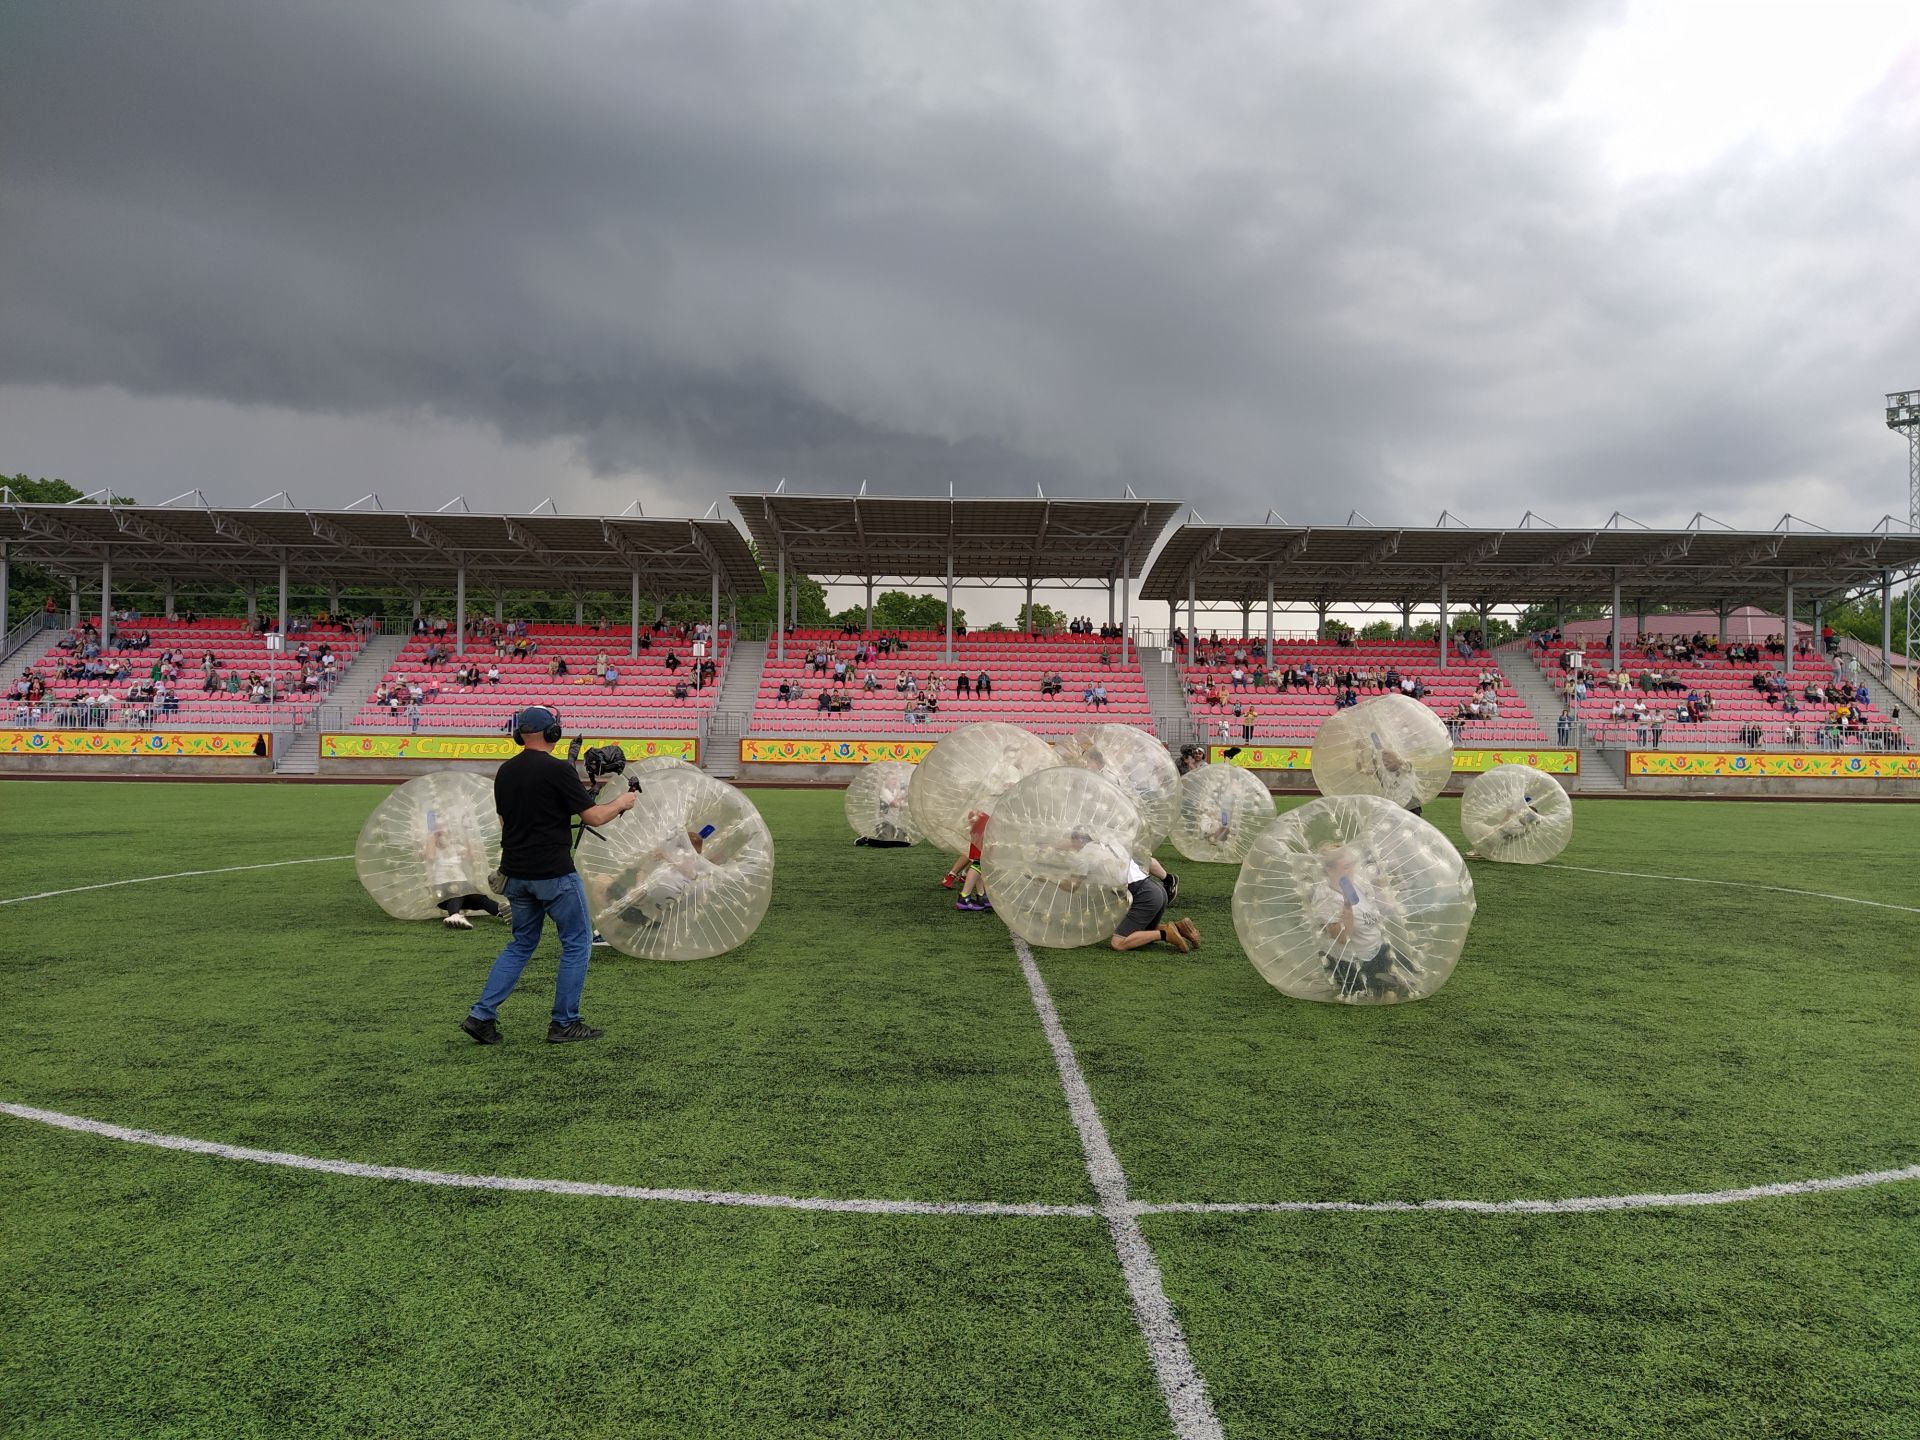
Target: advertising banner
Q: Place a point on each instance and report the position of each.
(1772, 765)
(831, 752)
(191, 744)
(1465, 762)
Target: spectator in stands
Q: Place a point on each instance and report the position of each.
(1237, 678)
(493, 674)
(611, 677)
(672, 662)
(983, 685)
(932, 686)
(962, 685)
(1100, 694)
(1563, 728)
(680, 691)
(1050, 684)
(1247, 717)
(871, 682)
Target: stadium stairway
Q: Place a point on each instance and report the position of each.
(379, 655)
(1171, 721)
(1599, 775)
(733, 707)
(28, 655)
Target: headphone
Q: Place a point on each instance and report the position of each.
(528, 719)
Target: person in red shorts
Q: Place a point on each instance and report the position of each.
(973, 893)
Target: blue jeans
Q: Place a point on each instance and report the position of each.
(565, 899)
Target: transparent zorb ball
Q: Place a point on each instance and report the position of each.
(876, 802)
(648, 763)
(1351, 899)
(1056, 854)
(966, 773)
(1390, 746)
(662, 889)
(1516, 814)
(1136, 762)
(435, 838)
(1221, 811)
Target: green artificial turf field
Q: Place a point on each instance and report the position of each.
(1604, 1035)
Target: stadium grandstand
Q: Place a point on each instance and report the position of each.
(387, 637)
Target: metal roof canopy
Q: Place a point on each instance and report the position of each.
(1533, 564)
(857, 538)
(382, 547)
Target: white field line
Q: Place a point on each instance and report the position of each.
(1580, 1205)
(176, 875)
(1736, 885)
(1181, 1384)
(454, 1180)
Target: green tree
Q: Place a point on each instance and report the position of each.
(1045, 618)
(898, 610)
(1379, 630)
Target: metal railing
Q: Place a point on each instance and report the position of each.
(49, 714)
(1877, 739)
(37, 623)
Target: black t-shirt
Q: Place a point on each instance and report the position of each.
(537, 795)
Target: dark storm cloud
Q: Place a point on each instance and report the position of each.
(1228, 252)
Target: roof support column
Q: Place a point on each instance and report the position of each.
(499, 607)
(579, 608)
(1126, 602)
(869, 602)
(1443, 617)
(1786, 617)
(1406, 619)
(167, 596)
(1886, 627)
(1269, 617)
(1320, 631)
(6, 579)
(949, 607)
(73, 602)
(1029, 625)
(633, 614)
(416, 602)
(106, 602)
(1486, 630)
(1560, 615)
(460, 609)
(1193, 616)
(1640, 621)
(1721, 634)
(1819, 644)
(282, 614)
(1616, 621)
(1110, 589)
(780, 608)
(713, 616)
(253, 603)
(1246, 619)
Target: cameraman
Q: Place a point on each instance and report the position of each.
(537, 795)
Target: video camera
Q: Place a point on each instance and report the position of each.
(602, 761)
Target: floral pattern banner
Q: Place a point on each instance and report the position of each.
(1465, 762)
(832, 752)
(1692, 764)
(487, 747)
(198, 744)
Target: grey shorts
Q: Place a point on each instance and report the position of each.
(1149, 904)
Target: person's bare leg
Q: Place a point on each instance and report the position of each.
(1139, 939)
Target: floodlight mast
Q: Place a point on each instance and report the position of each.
(1903, 418)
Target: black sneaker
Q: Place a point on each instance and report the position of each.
(1173, 887)
(484, 1032)
(558, 1034)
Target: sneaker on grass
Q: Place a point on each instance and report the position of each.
(558, 1034)
(457, 921)
(484, 1032)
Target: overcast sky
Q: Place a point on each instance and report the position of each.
(1399, 257)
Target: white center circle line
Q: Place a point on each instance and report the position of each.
(176, 875)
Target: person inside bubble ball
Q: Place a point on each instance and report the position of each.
(1398, 782)
(1347, 912)
(666, 876)
(1152, 886)
(451, 859)
(973, 890)
(1515, 821)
